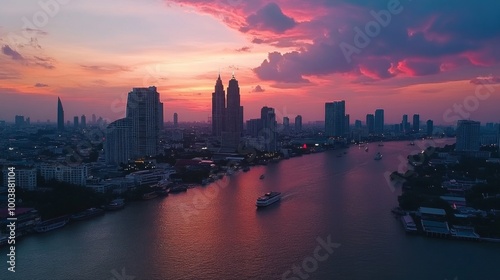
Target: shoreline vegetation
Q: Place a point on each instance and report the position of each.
(466, 188)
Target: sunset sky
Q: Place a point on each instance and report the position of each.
(440, 59)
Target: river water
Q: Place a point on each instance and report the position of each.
(334, 222)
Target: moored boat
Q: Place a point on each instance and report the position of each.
(408, 224)
(149, 195)
(178, 189)
(52, 224)
(262, 176)
(116, 204)
(268, 199)
(378, 156)
(87, 214)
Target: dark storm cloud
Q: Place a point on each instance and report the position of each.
(271, 18)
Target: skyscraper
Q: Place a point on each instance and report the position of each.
(160, 116)
(298, 123)
(379, 121)
(467, 136)
(60, 115)
(19, 120)
(176, 120)
(430, 127)
(286, 125)
(142, 110)
(405, 126)
(347, 125)
(370, 123)
(335, 119)
(268, 118)
(117, 146)
(358, 124)
(83, 121)
(416, 123)
(233, 114)
(218, 108)
(75, 122)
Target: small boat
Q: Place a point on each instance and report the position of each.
(409, 224)
(268, 199)
(178, 189)
(116, 204)
(87, 214)
(149, 195)
(366, 149)
(262, 176)
(162, 192)
(378, 156)
(412, 143)
(52, 224)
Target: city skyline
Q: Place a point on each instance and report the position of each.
(287, 55)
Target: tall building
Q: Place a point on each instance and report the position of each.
(468, 136)
(117, 146)
(286, 125)
(405, 125)
(358, 124)
(416, 123)
(254, 127)
(370, 123)
(60, 115)
(298, 123)
(268, 118)
(218, 108)
(19, 120)
(176, 120)
(430, 127)
(347, 125)
(379, 121)
(160, 116)
(83, 121)
(335, 119)
(75, 122)
(233, 114)
(142, 110)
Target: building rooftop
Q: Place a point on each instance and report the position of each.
(431, 211)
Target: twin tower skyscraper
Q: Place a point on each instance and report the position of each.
(227, 117)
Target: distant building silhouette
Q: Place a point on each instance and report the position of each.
(379, 121)
(430, 127)
(94, 119)
(335, 119)
(468, 136)
(83, 121)
(176, 120)
(60, 115)
(416, 123)
(254, 126)
(370, 123)
(298, 123)
(405, 125)
(117, 146)
(233, 115)
(19, 121)
(218, 108)
(286, 125)
(75, 122)
(268, 118)
(160, 116)
(358, 124)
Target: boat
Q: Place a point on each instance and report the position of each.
(366, 149)
(178, 189)
(246, 169)
(51, 224)
(268, 199)
(398, 211)
(149, 195)
(378, 156)
(262, 176)
(116, 204)
(162, 192)
(87, 214)
(412, 143)
(409, 224)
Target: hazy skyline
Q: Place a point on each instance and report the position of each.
(427, 58)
